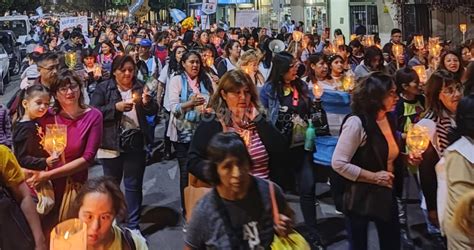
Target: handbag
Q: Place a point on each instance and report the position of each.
(298, 131)
(294, 240)
(45, 193)
(195, 190)
(14, 228)
(70, 194)
(132, 140)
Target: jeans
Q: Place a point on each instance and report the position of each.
(306, 183)
(388, 232)
(130, 166)
(167, 138)
(182, 156)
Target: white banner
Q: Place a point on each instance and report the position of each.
(72, 22)
(246, 18)
(209, 6)
(205, 25)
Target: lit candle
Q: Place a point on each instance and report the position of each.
(369, 40)
(209, 62)
(417, 139)
(353, 37)
(348, 82)
(339, 40)
(317, 91)
(297, 36)
(397, 50)
(68, 235)
(463, 28)
(421, 72)
(97, 70)
(55, 139)
(70, 59)
(419, 42)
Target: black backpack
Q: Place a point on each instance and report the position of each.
(15, 232)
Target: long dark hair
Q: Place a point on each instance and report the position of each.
(27, 94)
(464, 119)
(460, 72)
(405, 75)
(281, 65)
(434, 85)
(173, 64)
(371, 53)
(369, 94)
(202, 76)
(314, 59)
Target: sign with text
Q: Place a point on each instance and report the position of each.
(246, 18)
(209, 6)
(73, 22)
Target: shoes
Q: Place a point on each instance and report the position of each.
(338, 212)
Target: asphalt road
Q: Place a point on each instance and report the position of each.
(162, 224)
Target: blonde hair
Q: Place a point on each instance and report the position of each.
(463, 218)
(249, 56)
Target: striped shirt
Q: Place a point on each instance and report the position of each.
(444, 125)
(258, 152)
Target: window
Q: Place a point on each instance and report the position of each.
(367, 14)
(17, 26)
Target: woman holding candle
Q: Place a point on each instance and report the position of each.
(83, 139)
(101, 205)
(232, 51)
(248, 63)
(92, 73)
(125, 104)
(443, 93)
(420, 55)
(106, 56)
(368, 156)
(207, 55)
(189, 91)
(316, 70)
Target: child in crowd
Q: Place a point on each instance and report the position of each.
(27, 133)
(31, 73)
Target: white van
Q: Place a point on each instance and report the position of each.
(20, 25)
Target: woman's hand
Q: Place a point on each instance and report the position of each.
(36, 177)
(383, 178)
(284, 227)
(414, 159)
(124, 106)
(196, 100)
(51, 160)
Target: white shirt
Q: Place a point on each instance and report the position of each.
(130, 118)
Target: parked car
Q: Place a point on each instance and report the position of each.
(19, 24)
(4, 69)
(12, 46)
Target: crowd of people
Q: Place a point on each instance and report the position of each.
(240, 116)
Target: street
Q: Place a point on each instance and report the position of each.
(162, 223)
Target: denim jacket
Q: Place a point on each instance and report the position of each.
(270, 101)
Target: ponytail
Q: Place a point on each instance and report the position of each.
(27, 94)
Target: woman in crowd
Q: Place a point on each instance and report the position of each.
(232, 50)
(373, 61)
(265, 65)
(236, 108)
(171, 68)
(336, 73)
(316, 70)
(396, 63)
(368, 156)
(288, 104)
(465, 53)
(420, 56)
(443, 93)
(84, 132)
(460, 180)
(237, 213)
(251, 43)
(243, 42)
(248, 63)
(451, 62)
(207, 56)
(357, 55)
(101, 205)
(106, 56)
(52, 44)
(91, 74)
(203, 38)
(124, 103)
(189, 91)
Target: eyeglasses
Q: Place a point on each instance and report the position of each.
(73, 87)
(50, 68)
(451, 90)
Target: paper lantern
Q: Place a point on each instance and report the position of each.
(70, 59)
(421, 72)
(417, 139)
(69, 235)
(419, 42)
(55, 139)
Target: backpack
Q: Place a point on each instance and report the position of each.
(14, 229)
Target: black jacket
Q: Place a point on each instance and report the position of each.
(28, 149)
(104, 98)
(272, 139)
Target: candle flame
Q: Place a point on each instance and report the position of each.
(66, 235)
